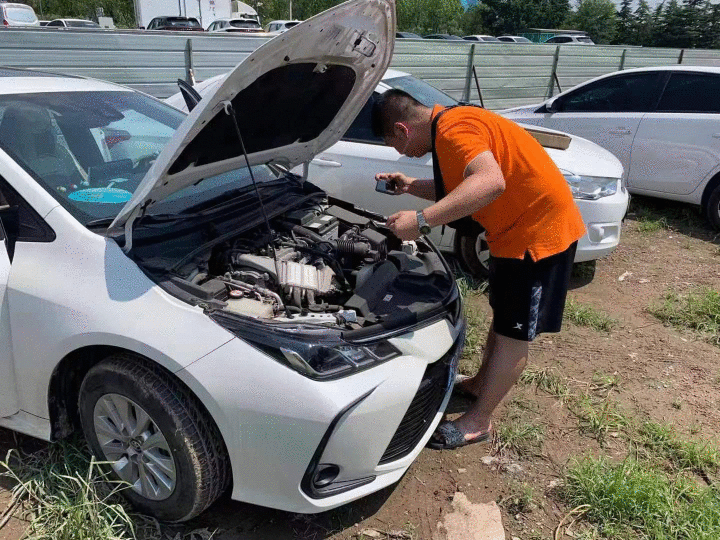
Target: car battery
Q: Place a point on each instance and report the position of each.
(323, 224)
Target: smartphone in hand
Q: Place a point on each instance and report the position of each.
(386, 186)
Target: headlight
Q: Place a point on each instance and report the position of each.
(591, 187)
(318, 353)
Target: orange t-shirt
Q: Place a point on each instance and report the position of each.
(536, 213)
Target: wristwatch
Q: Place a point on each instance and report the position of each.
(423, 226)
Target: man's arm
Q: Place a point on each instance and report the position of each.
(483, 184)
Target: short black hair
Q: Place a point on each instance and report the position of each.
(393, 106)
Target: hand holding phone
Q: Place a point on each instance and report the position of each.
(386, 186)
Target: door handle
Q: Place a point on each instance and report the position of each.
(322, 162)
(620, 131)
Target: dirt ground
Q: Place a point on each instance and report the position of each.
(662, 374)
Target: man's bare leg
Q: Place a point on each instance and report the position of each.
(499, 372)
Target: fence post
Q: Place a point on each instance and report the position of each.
(682, 53)
(469, 73)
(189, 70)
(553, 73)
(622, 60)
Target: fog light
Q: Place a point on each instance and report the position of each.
(325, 475)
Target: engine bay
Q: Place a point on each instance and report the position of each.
(320, 263)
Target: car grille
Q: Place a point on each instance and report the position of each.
(424, 406)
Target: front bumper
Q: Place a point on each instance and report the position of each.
(284, 432)
(603, 220)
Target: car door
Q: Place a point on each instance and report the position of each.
(8, 396)
(678, 145)
(347, 169)
(607, 112)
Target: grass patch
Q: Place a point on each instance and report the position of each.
(584, 315)
(547, 380)
(599, 418)
(636, 500)
(605, 383)
(66, 496)
(523, 438)
(656, 214)
(520, 500)
(698, 310)
(662, 440)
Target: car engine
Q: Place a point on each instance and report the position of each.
(321, 264)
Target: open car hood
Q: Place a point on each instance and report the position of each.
(293, 97)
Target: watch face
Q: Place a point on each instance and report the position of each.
(425, 229)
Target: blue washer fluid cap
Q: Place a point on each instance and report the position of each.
(101, 195)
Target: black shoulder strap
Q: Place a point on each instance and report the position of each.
(438, 182)
(437, 173)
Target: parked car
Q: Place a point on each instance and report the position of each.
(570, 39)
(490, 39)
(514, 39)
(280, 26)
(594, 176)
(444, 36)
(73, 23)
(175, 24)
(235, 25)
(661, 122)
(407, 35)
(294, 350)
(18, 15)
(43, 22)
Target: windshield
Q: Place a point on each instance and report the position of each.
(20, 14)
(181, 23)
(420, 90)
(244, 24)
(91, 150)
(82, 24)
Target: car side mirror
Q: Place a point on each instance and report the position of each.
(10, 221)
(189, 94)
(553, 105)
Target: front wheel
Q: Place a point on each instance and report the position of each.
(156, 436)
(474, 252)
(712, 208)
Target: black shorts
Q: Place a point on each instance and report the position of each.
(528, 297)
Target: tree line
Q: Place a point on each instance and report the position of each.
(673, 23)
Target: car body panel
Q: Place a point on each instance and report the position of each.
(671, 155)
(358, 36)
(255, 430)
(8, 392)
(679, 165)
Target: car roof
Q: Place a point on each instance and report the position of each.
(675, 67)
(25, 81)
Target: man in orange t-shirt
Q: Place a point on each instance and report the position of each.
(496, 172)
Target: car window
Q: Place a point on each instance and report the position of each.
(91, 150)
(420, 90)
(585, 40)
(361, 128)
(20, 14)
(625, 93)
(55, 23)
(31, 227)
(82, 24)
(691, 92)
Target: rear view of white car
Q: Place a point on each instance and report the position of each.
(206, 318)
(346, 170)
(663, 123)
(18, 15)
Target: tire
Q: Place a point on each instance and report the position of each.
(712, 208)
(158, 436)
(474, 253)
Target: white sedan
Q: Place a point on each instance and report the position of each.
(663, 123)
(208, 320)
(346, 170)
